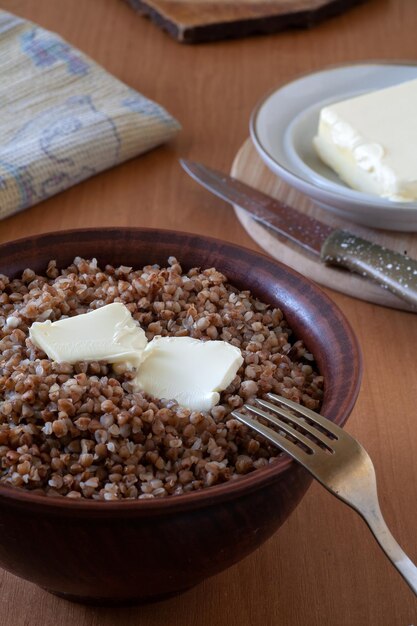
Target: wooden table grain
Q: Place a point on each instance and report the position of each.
(322, 567)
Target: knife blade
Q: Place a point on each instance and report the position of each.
(391, 270)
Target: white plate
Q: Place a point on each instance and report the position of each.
(283, 125)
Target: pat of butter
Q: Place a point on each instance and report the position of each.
(106, 334)
(187, 370)
(370, 141)
(190, 371)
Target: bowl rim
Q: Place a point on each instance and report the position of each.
(210, 495)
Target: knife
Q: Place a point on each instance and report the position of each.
(391, 270)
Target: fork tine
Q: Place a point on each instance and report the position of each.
(311, 415)
(282, 442)
(299, 421)
(286, 428)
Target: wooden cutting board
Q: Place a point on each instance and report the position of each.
(194, 21)
(249, 168)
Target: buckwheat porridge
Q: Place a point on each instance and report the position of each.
(81, 431)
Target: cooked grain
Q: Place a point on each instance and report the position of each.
(81, 431)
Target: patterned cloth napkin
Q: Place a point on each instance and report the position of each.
(63, 118)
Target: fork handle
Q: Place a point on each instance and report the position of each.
(374, 519)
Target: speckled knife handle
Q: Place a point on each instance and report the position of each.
(392, 270)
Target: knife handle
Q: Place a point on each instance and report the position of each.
(392, 270)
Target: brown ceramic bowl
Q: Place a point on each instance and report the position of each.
(116, 552)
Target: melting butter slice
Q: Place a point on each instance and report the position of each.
(190, 371)
(187, 370)
(106, 334)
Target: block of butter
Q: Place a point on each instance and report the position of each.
(371, 141)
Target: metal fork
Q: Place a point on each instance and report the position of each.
(336, 460)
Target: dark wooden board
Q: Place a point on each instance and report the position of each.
(194, 21)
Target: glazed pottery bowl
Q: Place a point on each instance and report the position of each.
(143, 550)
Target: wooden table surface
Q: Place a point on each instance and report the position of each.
(323, 566)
